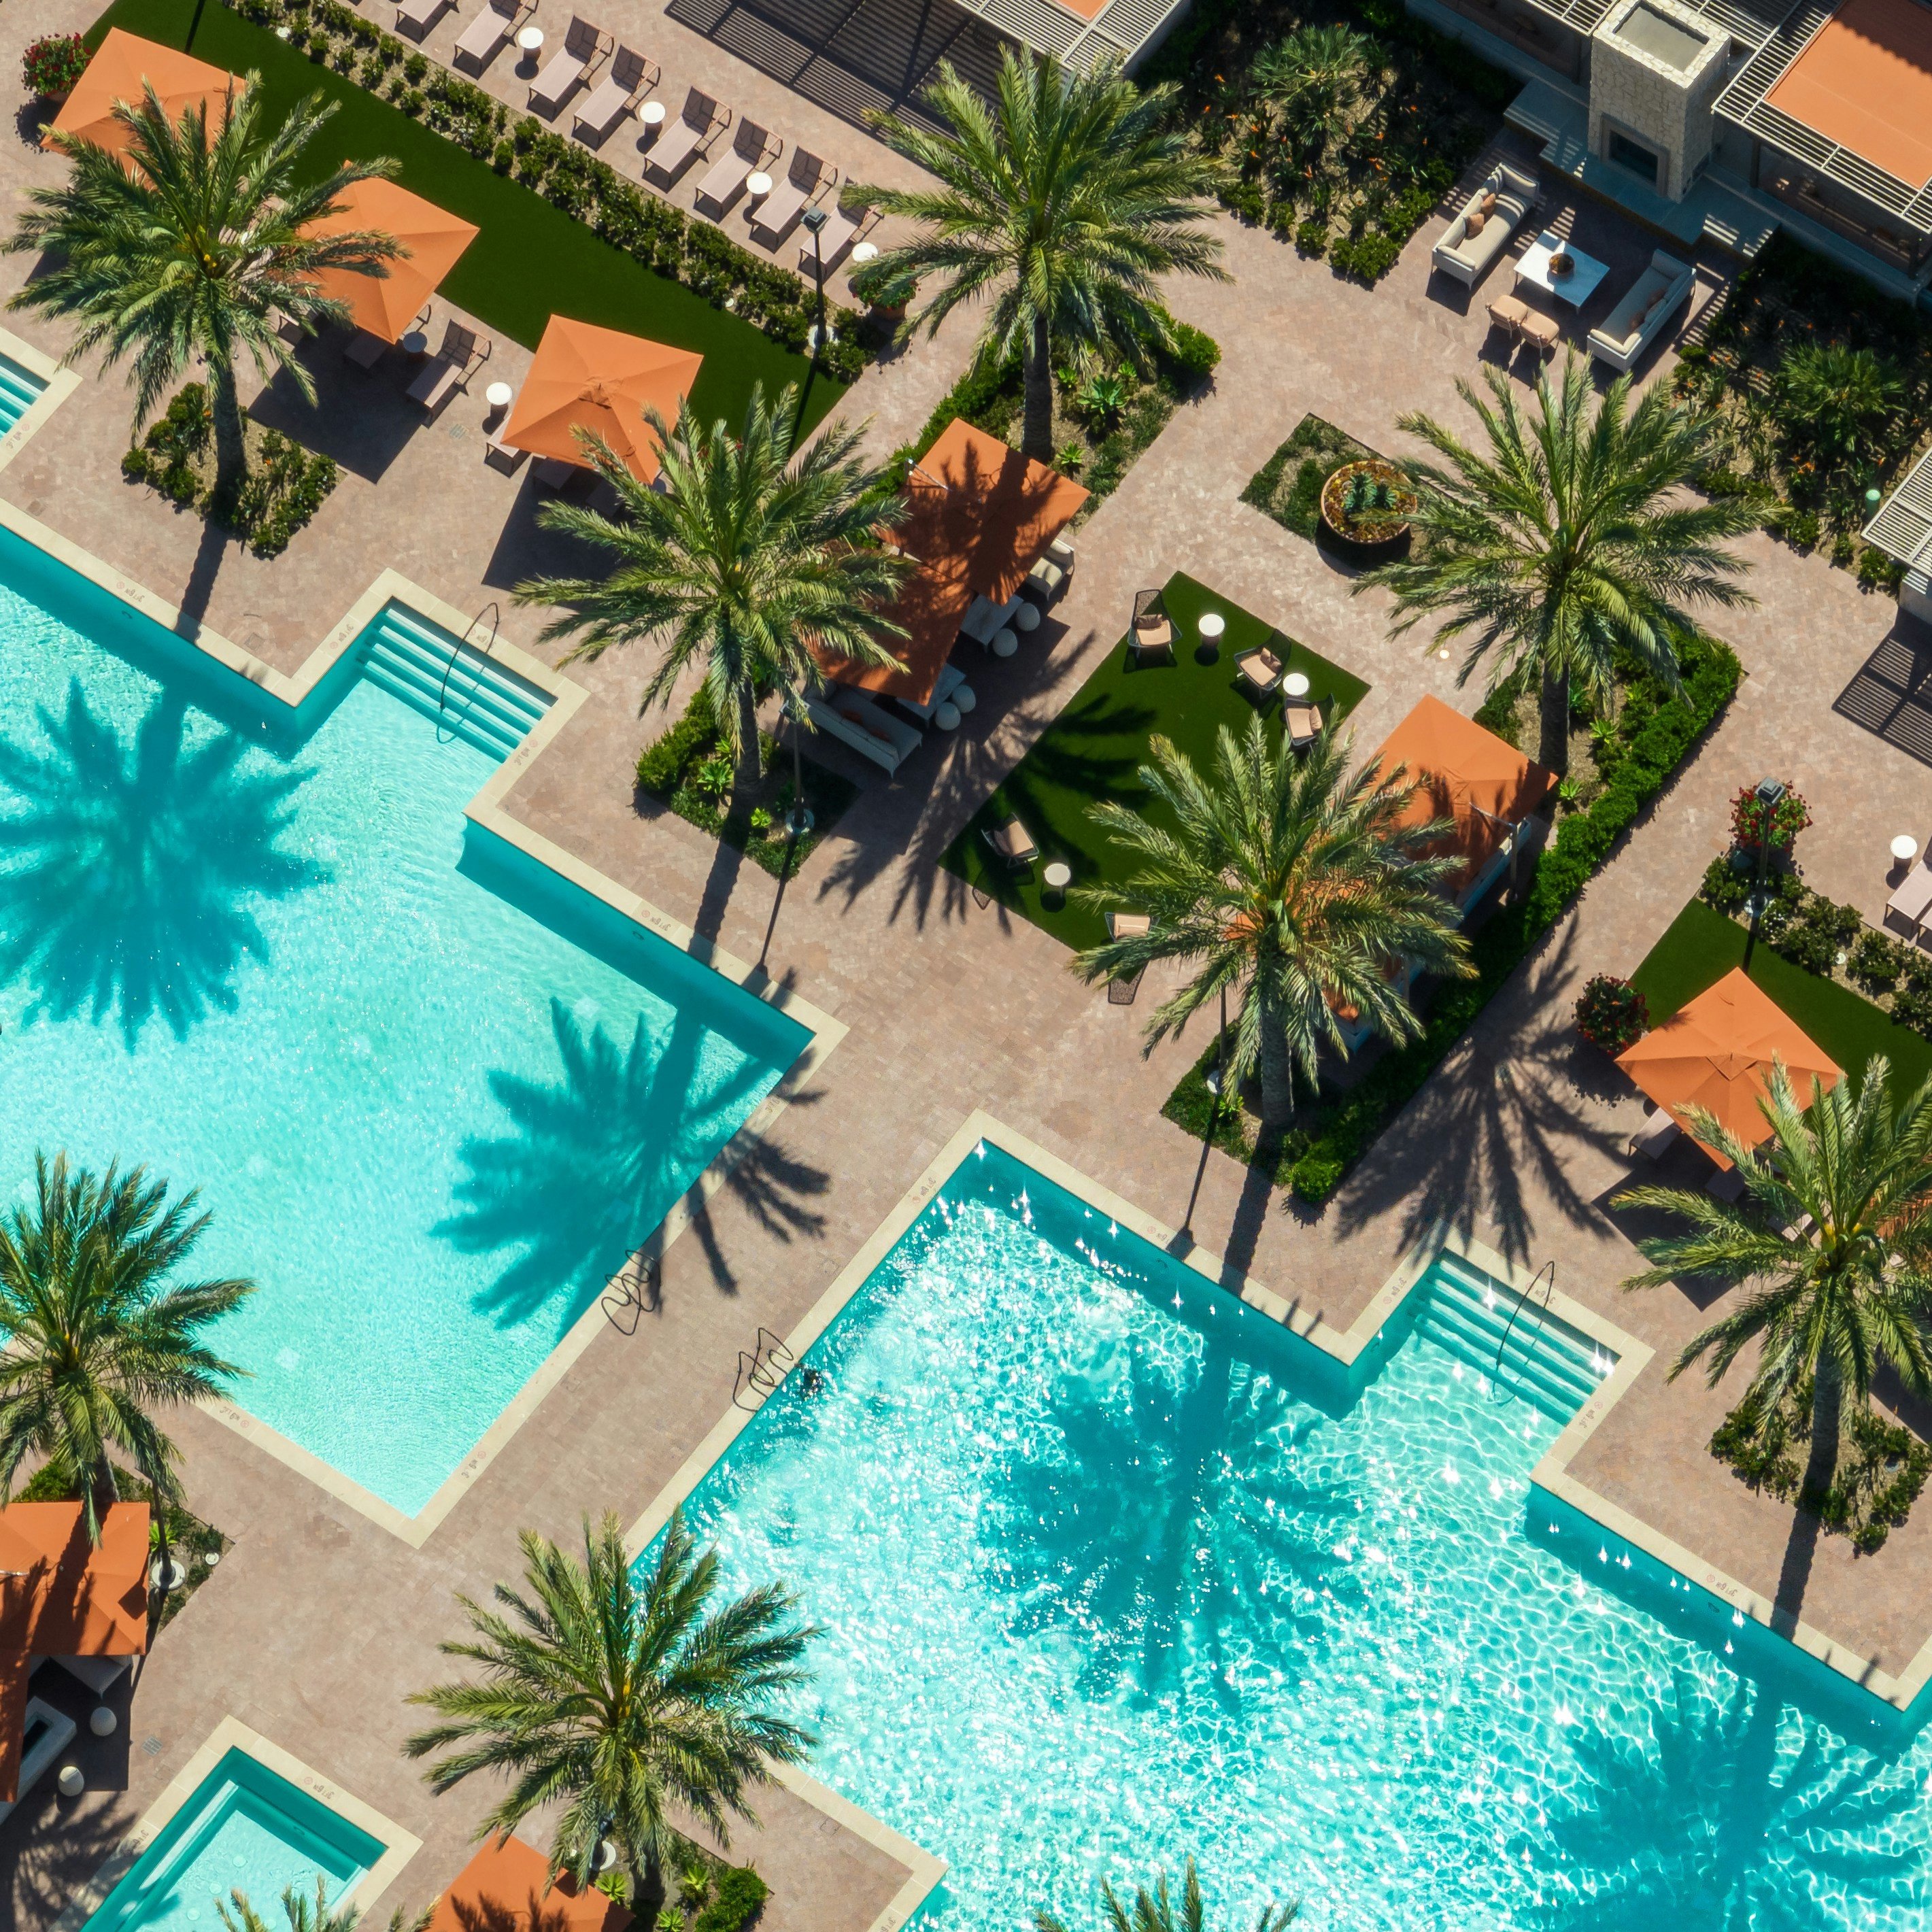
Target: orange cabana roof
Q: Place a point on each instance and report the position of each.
(584, 377)
(1467, 773)
(1865, 83)
(121, 66)
(61, 1596)
(1717, 1053)
(386, 304)
(506, 1888)
(979, 517)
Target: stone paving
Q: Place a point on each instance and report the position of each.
(319, 1623)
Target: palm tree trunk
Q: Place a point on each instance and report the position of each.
(1036, 434)
(1553, 731)
(1277, 1077)
(648, 1899)
(745, 780)
(231, 449)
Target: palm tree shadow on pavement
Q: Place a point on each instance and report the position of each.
(1737, 1812)
(134, 866)
(597, 1155)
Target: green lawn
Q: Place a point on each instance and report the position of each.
(1095, 747)
(1702, 945)
(530, 259)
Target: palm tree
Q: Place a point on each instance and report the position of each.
(1314, 78)
(1836, 396)
(93, 1337)
(1285, 880)
(740, 559)
(1153, 1911)
(194, 247)
(306, 1916)
(625, 1702)
(1830, 1309)
(1569, 541)
(1064, 202)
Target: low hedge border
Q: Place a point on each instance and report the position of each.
(1347, 1127)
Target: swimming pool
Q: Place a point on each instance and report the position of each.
(246, 1828)
(20, 389)
(431, 1093)
(1109, 1575)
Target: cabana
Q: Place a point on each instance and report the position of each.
(123, 66)
(1717, 1053)
(65, 1597)
(388, 304)
(1467, 774)
(506, 1888)
(979, 517)
(600, 380)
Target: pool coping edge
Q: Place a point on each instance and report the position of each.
(924, 1869)
(230, 1734)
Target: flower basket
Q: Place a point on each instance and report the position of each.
(51, 66)
(1754, 822)
(1365, 508)
(1612, 1014)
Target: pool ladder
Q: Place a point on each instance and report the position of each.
(760, 1372)
(494, 612)
(1546, 1274)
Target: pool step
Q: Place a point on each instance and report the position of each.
(1543, 1358)
(19, 391)
(453, 682)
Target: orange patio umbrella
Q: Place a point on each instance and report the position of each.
(386, 304)
(123, 66)
(600, 380)
(1717, 1053)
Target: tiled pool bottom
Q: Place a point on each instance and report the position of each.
(1103, 1585)
(431, 1095)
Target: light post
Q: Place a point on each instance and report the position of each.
(814, 219)
(799, 820)
(1770, 794)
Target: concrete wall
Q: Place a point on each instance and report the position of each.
(1664, 108)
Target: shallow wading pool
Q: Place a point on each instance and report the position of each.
(1111, 1571)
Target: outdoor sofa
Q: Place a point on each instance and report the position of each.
(1637, 321)
(853, 719)
(1498, 208)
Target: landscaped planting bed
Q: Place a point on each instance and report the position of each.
(589, 246)
(1288, 486)
(1655, 733)
(1429, 107)
(1750, 364)
(1095, 747)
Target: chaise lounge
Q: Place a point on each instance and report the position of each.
(584, 46)
(775, 216)
(616, 97)
(696, 125)
(484, 39)
(1637, 321)
(751, 147)
(1474, 239)
(450, 369)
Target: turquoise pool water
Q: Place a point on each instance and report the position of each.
(244, 1829)
(1111, 1573)
(432, 1096)
(19, 391)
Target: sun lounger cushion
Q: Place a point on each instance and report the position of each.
(1261, 669)
(1908, 906)
(749, 149)
(482, 40)
(835, 240)
(671, 153)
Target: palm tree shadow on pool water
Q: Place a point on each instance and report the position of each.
(132, 869)
(595, 1158)
(1174, 1533)
(1740, 1813)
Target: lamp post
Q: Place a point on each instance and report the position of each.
(1770, 793)
(799, 820)
(814, 219)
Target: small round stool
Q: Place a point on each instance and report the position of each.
(947, 716)
(1027, 617)
(1004, 643)
(71, 1781)
(1058, 876)
(964, 697)
(102, 1721)
(1904, 849)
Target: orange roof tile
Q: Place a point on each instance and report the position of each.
(1865, 83)
(506, 1888)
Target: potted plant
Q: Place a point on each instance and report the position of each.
(52, 65)
(1767, 816)
(1367, 506)
(1611, 1013)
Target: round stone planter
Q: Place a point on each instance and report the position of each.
(1372, 534)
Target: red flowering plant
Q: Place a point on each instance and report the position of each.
(1612, 1013)
(1756, 820)
(52, 64)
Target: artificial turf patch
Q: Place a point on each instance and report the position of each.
(529, 260)
(1095, 748)
(1702, 945)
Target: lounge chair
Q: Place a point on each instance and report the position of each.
(1011, 842)
(686, 137)
(1508, 314)
(463, 353)
(775, 217)
(834, 239)
(1908, 907)
(415, 17)
(631, 78)
(1543, 332)
(583, 47)
(1659, 1132)
(1259, 672)
(1151, 635)
(1125, 925)
(504, 456)
(485, 36)
(751, 147)
(853, 718)
(1302, 724)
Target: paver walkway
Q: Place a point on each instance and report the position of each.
(319, 1624)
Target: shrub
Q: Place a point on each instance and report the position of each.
(1800, 528)
(1876, 961)
(1245, 200)
(1311, 239)
(739, 1893)
(1191, 357)
(1612, 1013)
(665, 764)
(52, 64)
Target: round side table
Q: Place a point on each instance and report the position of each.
(1211, 626)
(1295, 685)
(499, 396)
(758, 186)
(415, 343)
(652, 114)
(1058, 876)
(1904, 848)
(865, 252)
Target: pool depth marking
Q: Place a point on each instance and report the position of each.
(488, 811)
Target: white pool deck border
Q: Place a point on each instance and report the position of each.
(486, 810)
(401, 1845)
(1345, 1347)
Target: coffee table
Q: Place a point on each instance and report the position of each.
(1577, 287)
